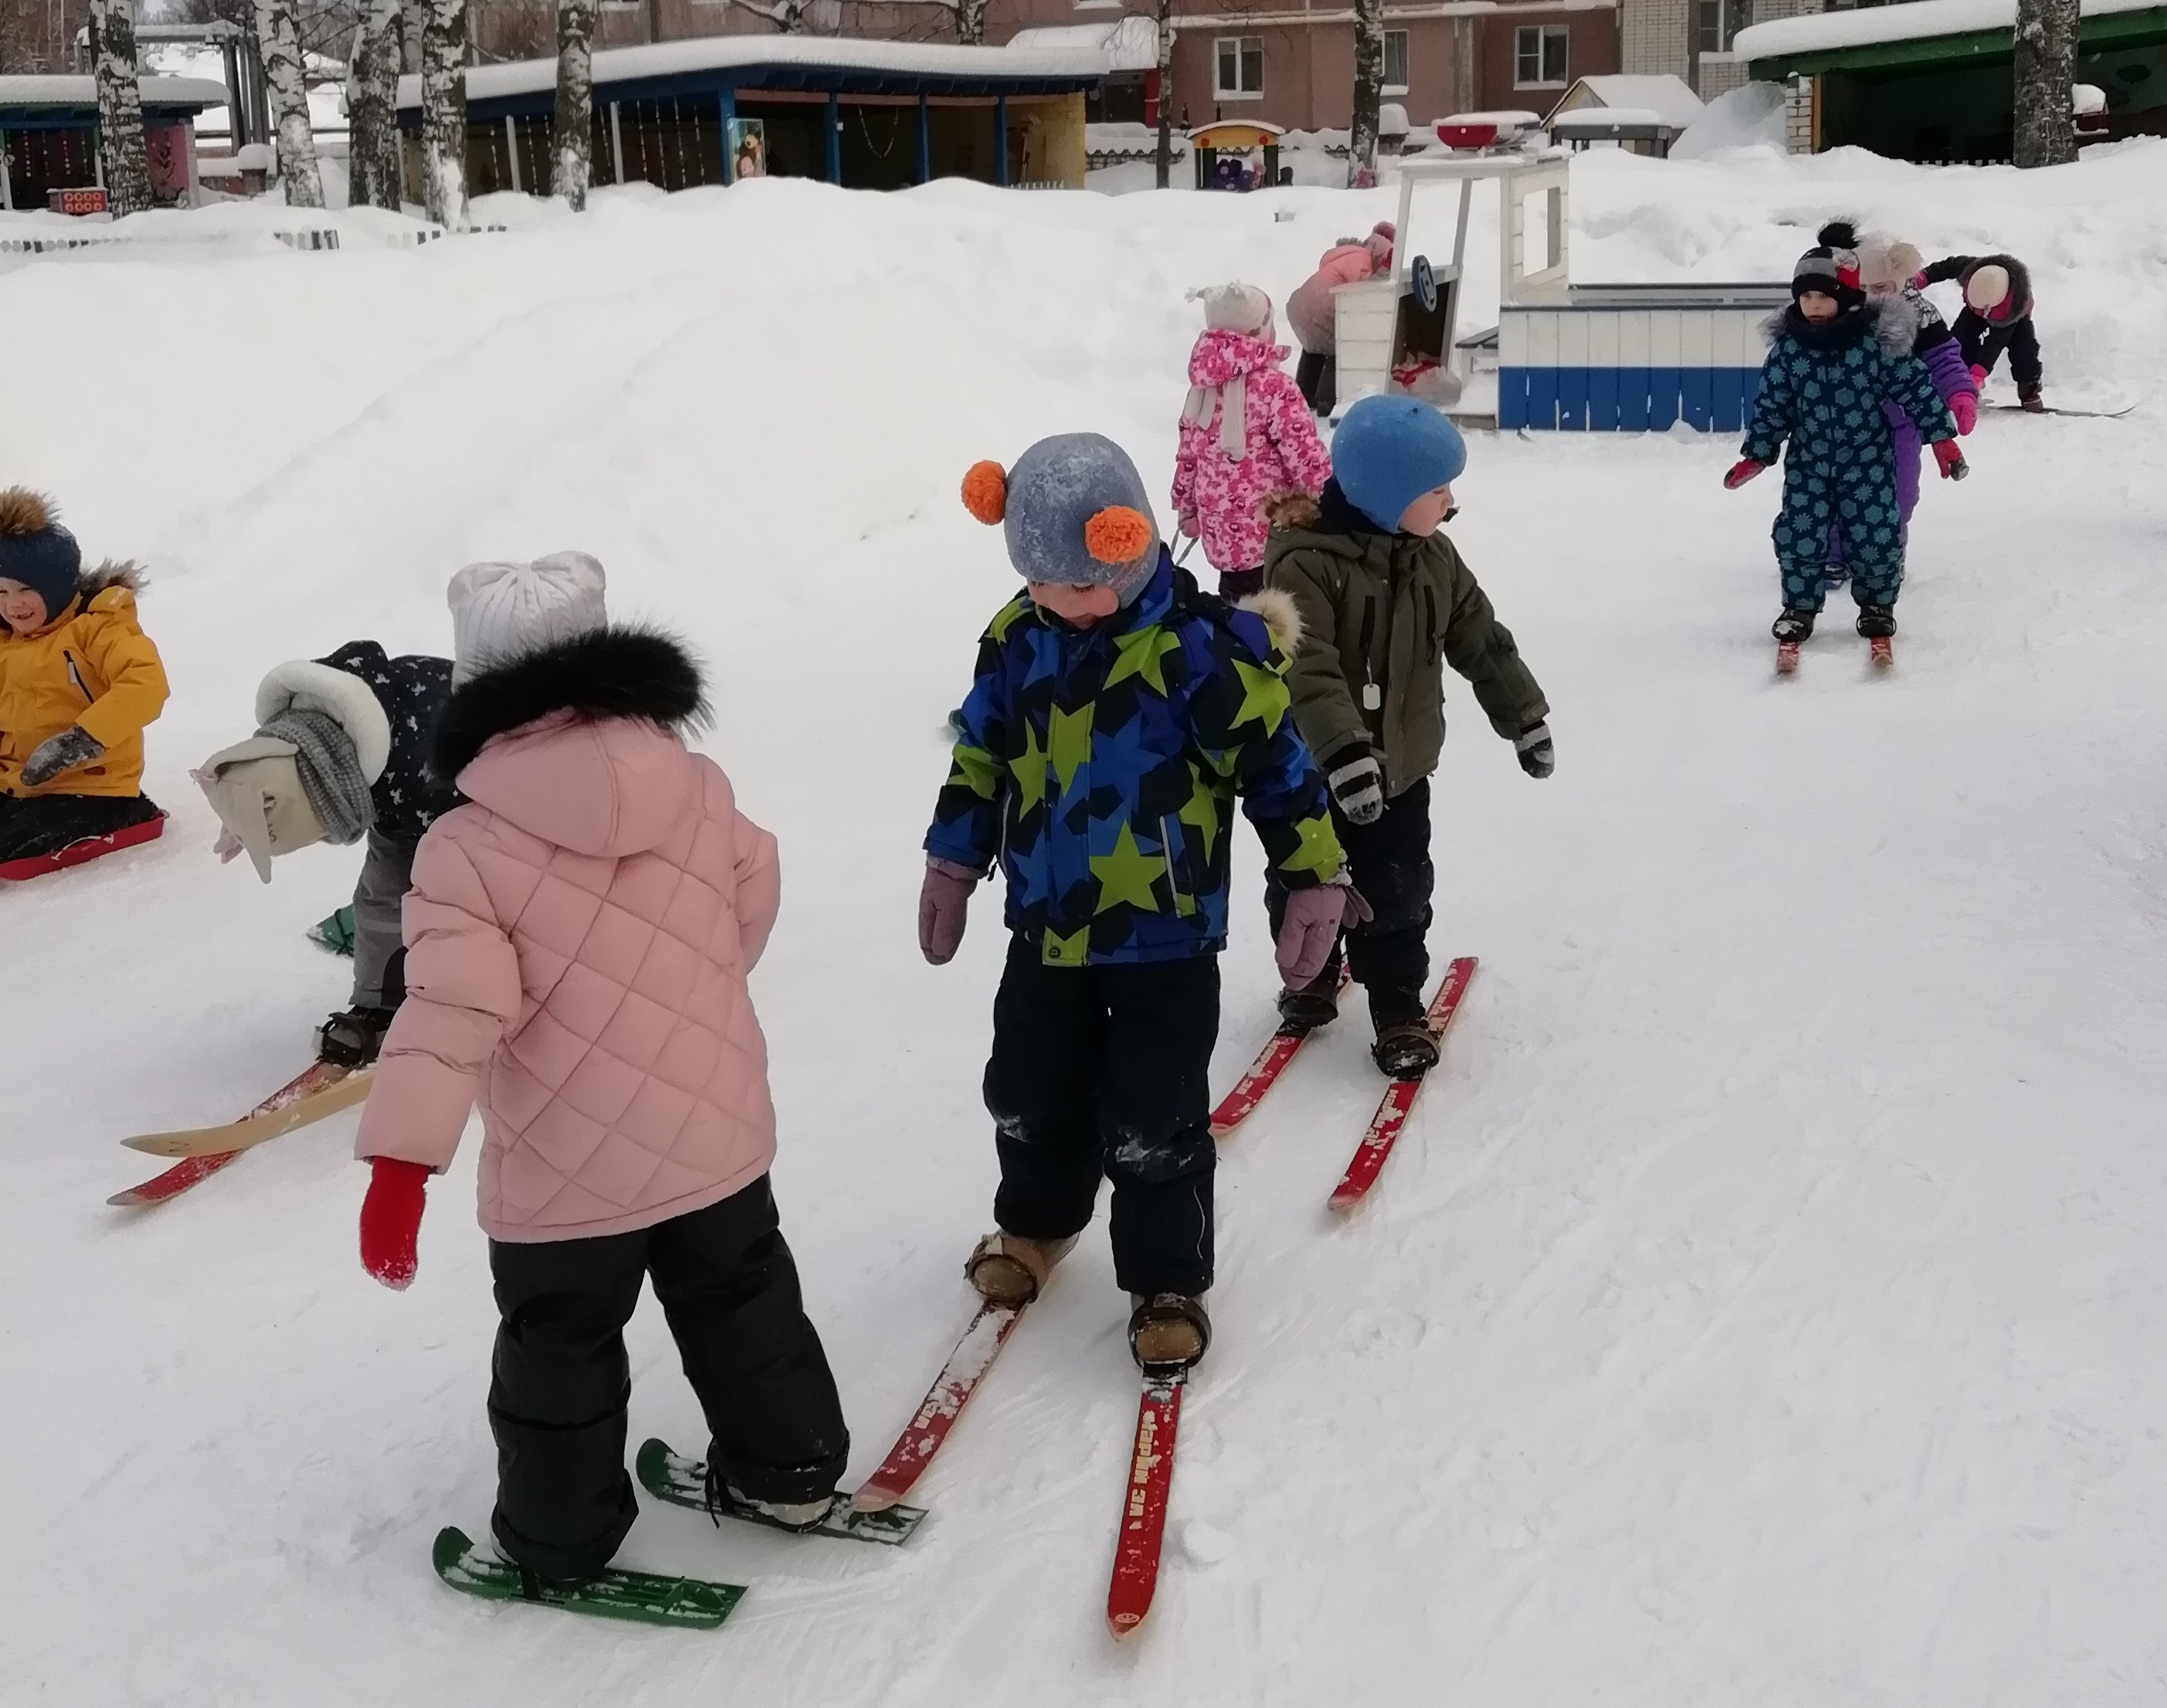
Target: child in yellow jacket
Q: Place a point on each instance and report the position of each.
(79, 679)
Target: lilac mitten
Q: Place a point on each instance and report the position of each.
(1312, 924)
(942, 906)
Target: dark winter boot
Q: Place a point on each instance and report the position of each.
(1794, 625)
(1009, 1269)
(722, 1495)
(1168, 1329)
(1876, 623)
(2029, 396)
(1316, 1004)
(1406, 1048)
(352, 1037)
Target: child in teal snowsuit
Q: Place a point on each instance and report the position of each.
(1829, 370)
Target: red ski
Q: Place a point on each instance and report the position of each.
(1400, 1096)
(78, 854)
(1143, 1514)
(1787, 657)
(1882, 651)
(191, 1170)
(1240, 1104)
(928, 1428)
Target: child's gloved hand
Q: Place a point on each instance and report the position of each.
(1919, 281)
(1312, 924)
(1977, 377)
(390, 1218)
(1358, 786)
(1743, 470)
(1538, 756)
(73, 746)
(1964, 406)
(1953, 466)
(943, 905)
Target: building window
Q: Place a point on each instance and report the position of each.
(1396, 62)
(1240, 62)
(1538, 59)
(1716, 22)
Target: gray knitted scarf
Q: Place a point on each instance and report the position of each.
(330, 771)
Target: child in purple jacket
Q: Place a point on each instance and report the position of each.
(1886, 267)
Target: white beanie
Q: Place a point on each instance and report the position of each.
(1987, 289)
(501, 611)
(1236, 308)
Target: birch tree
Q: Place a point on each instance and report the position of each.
(376, 167)
(2046, 68)
(1369, 88)
(788, 16)
(572, 140)
(1164, 159)
(444, 112)
(121, 154)
(290, 102)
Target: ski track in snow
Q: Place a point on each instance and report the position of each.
(1764, 1304)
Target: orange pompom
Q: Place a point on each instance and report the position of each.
(1117, 535)
(986, 492)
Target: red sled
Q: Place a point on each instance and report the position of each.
(77, 854)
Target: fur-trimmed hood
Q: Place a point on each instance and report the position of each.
(1282, 617)
(1893, 321)
(2020, 285)
(608, 673)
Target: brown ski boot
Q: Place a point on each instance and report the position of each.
(1168, 1328)
(1009, 1269)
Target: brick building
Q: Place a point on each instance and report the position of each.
(1692, 38)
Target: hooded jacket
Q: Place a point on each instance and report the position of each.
(1247, 436)
(1961, 267)
(1310, 311)
(1382, 614)
(578, 938)
(389, 709)
(91, 666)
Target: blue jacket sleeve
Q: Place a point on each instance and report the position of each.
(1775, 410)
(966, 815)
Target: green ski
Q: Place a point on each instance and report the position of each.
(644, 1596)
(683, 1482)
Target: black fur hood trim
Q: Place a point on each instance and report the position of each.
(607, 673)
(1892, 320)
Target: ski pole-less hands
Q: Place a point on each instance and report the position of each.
(391, 1218)
(1743, 470)
(1312, 924)
(1357, 785)
(943, 905)
(73, 746)
(1964, 406)
(1952, 461)
(1538, 755)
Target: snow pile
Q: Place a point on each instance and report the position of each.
(1749, 116)
(1765, 1304)
(1916, 21)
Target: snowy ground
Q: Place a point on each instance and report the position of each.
(1767, 1305)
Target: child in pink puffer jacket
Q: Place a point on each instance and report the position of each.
(1310, 312)
(1246, 437)
(578, 938)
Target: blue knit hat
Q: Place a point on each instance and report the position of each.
(1389, 452)
(1072, 509)
(36, 550)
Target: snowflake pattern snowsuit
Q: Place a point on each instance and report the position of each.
(1219, 495)
(1822, 388)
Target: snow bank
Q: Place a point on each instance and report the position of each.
(1914, 21)
(1750, 116)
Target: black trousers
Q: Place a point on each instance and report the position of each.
(1317, 375)
(1982, 341)
(560, 1380)
(1103, 1071)
(1391, 867)
(44, 824)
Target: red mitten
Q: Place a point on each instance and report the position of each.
(390, 1218)
(1977, 377)
(1918, 281)
(1743, 470)
(1953, 467)
(1964, 406)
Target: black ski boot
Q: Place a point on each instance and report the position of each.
(2029, 396)
(1794, 625)
(1316, 1004)
(1876, 623)
(351, 1038)
(1406, 1048)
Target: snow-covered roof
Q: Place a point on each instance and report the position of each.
(82, 92)
(1126, 45)
(1668, 98)
(712, 53)
(1920, 20)
(1604, 118)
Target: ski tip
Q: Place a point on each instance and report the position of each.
(652, 1464)
(1345, 1199)
(1124, 1623)
(873, 1498)
(152, 1144)
(451, 1546)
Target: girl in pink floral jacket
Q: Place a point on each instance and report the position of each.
(1246, 435)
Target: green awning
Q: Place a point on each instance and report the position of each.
(1976, 47)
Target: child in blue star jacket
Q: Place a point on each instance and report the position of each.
(1834, 358)
(1116, 713)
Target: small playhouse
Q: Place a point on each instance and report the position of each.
(1222, 151)
(48, 136)
(1562, 358)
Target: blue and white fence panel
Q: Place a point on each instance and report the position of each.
(1569, 367)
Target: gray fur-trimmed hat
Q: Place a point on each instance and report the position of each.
(1072, 509)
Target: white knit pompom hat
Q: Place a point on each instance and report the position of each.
(502, 611)
(1236, 308)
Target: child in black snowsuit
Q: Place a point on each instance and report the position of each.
(1997, 316)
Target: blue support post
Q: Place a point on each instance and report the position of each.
(1001, 142)
(834, 152)
(924, 141)
(726, 110)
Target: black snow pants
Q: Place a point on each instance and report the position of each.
(557, 1390)
(1316, 376)
(1982, 341)
(1391, 866)
(36, 825)
(1105, 1070)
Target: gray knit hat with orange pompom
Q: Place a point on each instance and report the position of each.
(36, 550)
(1073, 509)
